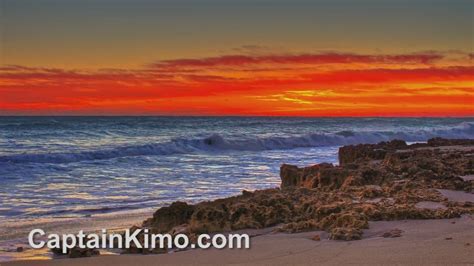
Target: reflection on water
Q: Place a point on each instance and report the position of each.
(145, 181)
(76, 166)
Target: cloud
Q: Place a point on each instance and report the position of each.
(303, 84)
(298, 59)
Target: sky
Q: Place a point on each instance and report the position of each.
(278, 58)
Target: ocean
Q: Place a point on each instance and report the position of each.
(80, 166)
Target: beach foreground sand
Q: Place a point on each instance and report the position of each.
(426, 242)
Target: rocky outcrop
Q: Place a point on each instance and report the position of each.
(250, 210)
(83, 252)
(76, 252)
(166, 218)
(320, 175)
(437, 142)
(368, 152)
(376, 164)
(373, 182)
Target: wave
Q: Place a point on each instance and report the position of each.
(217, 143)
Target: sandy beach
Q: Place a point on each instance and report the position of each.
(423, 242)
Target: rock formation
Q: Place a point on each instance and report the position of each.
(373, 182)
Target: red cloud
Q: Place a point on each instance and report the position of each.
(251, 85)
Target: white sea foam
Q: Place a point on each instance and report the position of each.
(216, 143)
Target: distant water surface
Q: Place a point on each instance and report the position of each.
(74, 166)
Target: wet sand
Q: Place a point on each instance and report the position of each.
(14, 233)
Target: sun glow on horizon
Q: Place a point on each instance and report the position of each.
(324, 58)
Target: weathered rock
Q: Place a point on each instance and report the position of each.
(377, 164)
(393, 233)
(373, 182)
(77, 252)
(168, 217)
(262, 209)
(309, 177)
(325, 176)
(436, 142)
(301, 226)
(344, 220)
(341, 233)
(134, 249)
(368, 152)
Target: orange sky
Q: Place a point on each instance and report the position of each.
(323, 84)
(290, 58)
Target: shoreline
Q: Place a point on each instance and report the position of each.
(14, 233)
(415, 194)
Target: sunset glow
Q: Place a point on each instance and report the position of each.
(248, 80)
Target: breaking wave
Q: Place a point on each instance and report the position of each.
(217, 143)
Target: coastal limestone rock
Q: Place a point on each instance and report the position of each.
(345, 226)
(377, 164)
(300, 177)
(261, 209)
(165, 218)
(134, 249)
(77, 252)
(373, 182)
(437, 142)
(347, 234)
(364, 152)
(322, 175)
(250, 210)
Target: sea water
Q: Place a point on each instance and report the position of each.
(81, 166)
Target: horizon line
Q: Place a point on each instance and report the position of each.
(237, 116)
